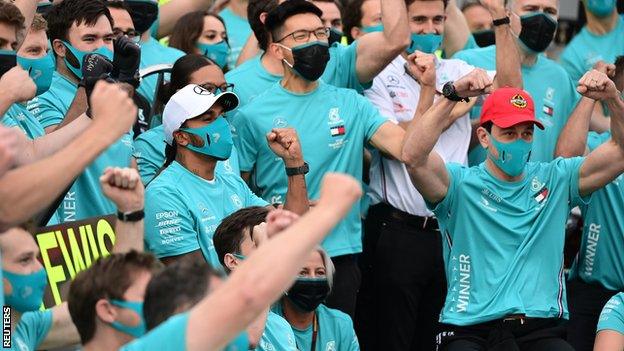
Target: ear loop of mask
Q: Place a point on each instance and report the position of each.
(284, 60)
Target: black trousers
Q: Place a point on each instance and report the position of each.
(531, 335)
(347, 280)
(585, 302)
(403, 283)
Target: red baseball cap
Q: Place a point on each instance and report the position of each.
(507, 107)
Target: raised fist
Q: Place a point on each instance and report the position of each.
(126, 61)
(475, 83)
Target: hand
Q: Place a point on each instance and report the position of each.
(596, 85)
(126, 61)
(606, 68)
(123, 187)
(475, 83)
(113, 110)
(284, 142)
(278, 220)
(495, 7)
(259, 234)
(8, 149)
(422, 66)
(94, 67)
(17, 85)
(339, 190)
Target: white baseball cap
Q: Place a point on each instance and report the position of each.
(190, 102)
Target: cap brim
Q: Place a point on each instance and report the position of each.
(510, 121)
(227, 100)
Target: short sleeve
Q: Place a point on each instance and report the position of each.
(347, 65)
(169, 229)
(251, 199)
(149, 158)
(379, 96)
(245, 142)
(44, 109)
(372, 118)
(456, 173)
(349, 340)
(594, 140)
(571, 63)
(170, 335)
(34, 327)
(572, 167)
(612, 315)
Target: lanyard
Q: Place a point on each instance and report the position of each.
(314, 332)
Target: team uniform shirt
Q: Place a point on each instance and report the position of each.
(586, 48)
(183, 210)
(333, 125)
(503, 241)
(238, 30)
(396, 94)
(31, 330)
(153, 53)
(335, 331)
(600, 255)
(149, 151)
(278, 335)
(19, 116)
(612, 316)
(251, 78)
(552, 90)
(85, 198)
(170, 335)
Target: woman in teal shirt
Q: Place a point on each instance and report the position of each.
(316, 326)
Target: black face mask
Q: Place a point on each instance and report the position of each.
(307, 294)
(144, 13)
(310, 59)
(335, 36)
(484, 38)
(44, 8)
(538, 30)
(8, 60)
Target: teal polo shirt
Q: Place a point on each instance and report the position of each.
(612, 316)
(503, 241)
(183, 210)
(600, 255)
(333, 125)
(19, 116)
(552, 90)
(31, 330)
(278, 335)
(238, 30)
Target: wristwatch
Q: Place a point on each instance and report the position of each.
(501, 21)
(292, 171)
(449, 92)
(131, 216)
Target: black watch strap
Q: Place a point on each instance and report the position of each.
(448, 91)
(292, 171)
(131, 216)
(501, 21)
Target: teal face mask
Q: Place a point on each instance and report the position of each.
(600, 8)
(427, 43)
(512, 157)
(74, 60)
(27, 290)
(136, 331)
(216, 52)
(373, 29)
(239, 256)
(40, 70)
(240, 343)
(217, 139)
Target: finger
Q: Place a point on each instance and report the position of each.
(125, 176)
(117, 177)
(582, 89)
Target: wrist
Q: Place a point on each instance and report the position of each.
(133, 216)
(293, 162)
(126, 208)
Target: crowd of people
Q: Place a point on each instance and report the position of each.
(325, 175)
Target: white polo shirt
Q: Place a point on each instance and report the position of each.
(396, 94)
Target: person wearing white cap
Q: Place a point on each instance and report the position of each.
(186, 202)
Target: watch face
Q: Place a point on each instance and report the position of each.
(447, 89)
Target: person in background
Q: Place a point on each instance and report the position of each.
(352, 66)
(479, 22)
(236, 24)
(25, 278)
(331, 18)
(598, 271)
(238, 235)
(202, 33)
(599, 40)
(610, 331)
(361, 17)
(316, 326)
(534, 22)
(188, 199)
(220, 316)
(150, 146)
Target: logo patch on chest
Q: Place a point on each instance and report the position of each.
(337, 131)
(541, 195)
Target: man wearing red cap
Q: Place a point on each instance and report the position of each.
(503, 221)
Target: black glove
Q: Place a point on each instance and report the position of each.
(94, 67)
(126, 61)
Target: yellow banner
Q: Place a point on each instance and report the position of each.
(69, 248)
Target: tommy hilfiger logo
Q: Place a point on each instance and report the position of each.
(541, 195)
(548, 110)
(337, 131)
